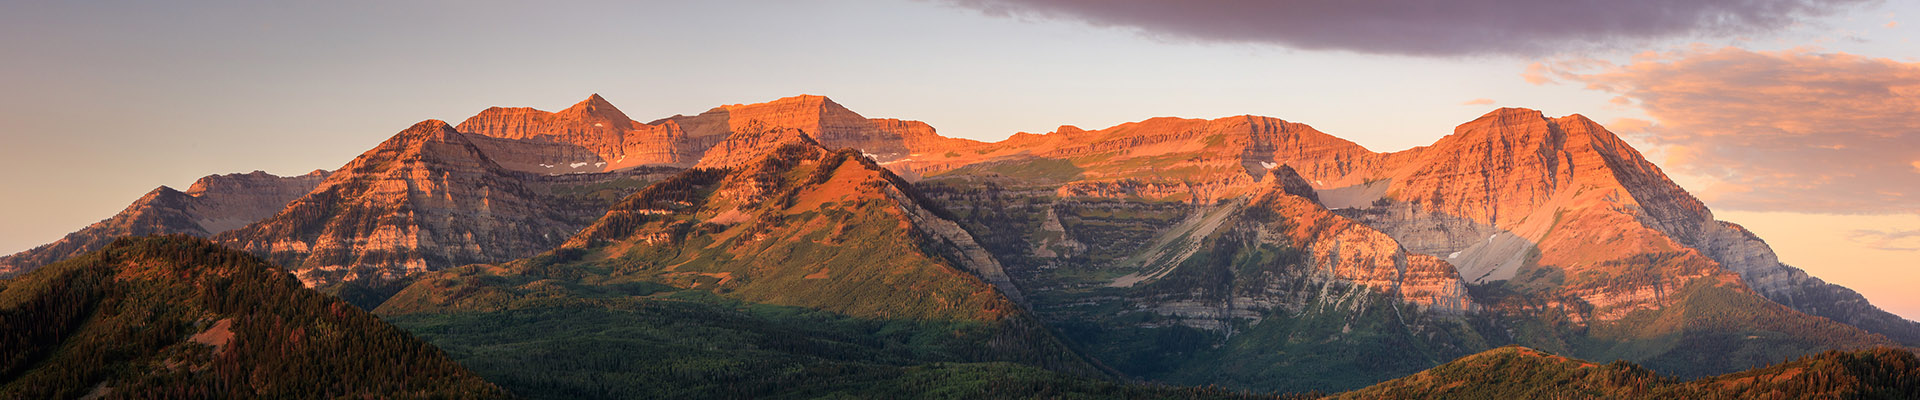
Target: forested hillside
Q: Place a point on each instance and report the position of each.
(176, 316)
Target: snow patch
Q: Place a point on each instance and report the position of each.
(1454, 255)
(599, 125)
(1268, 165)
(578, 164)
(547, 165)
(600, 164)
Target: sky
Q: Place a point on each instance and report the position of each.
(1797, 118)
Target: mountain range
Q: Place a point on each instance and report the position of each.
(796, 247)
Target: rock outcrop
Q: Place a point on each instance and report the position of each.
(213, 204)
(425, 199)
(1284, 254)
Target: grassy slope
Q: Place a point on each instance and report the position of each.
(694, 344)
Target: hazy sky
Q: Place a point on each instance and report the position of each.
(1779, 113)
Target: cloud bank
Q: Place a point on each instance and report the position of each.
(1895, 240)
(1427, 27)
(1778, 131)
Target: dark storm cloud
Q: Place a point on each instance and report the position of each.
(1427, 27)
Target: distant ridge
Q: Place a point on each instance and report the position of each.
(213, 204)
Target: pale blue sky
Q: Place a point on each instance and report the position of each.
(101, 101)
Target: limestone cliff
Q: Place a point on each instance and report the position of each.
(833, 125)
(1283, 254)
(425, 199)
(590, 136)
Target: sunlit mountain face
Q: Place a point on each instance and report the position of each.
(1003, 199)
(1245, 254)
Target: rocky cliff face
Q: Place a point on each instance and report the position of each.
(826, 121)
(227, 202)
(214, 204)
(594, 136)
(1515, 190)
(590, 136)
(1492, 197)
(426, 199)
(1284, 254)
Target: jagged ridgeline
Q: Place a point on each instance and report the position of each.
(1159, 247)
(180, 317)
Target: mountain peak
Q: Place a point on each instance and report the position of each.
(594, 109)
(431, 126)
(1514, 112)
(431, 130)
(805, 99)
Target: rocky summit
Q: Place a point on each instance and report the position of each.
(426, 199)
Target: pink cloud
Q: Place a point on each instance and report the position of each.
(1792, 130)
(1477, 102)
(1538, 74)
